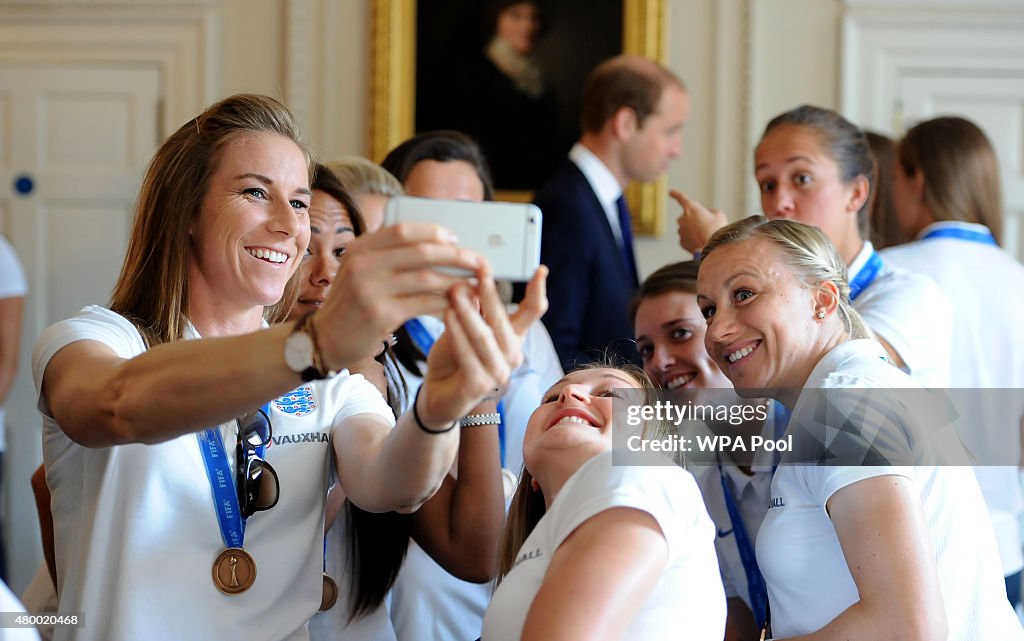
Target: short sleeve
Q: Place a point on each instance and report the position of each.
(911, 313)
(822, 481)
(12, 276)
(91, 323)
(668, 493)
(358, 396)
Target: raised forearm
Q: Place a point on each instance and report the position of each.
(398, 469)
(460, 525)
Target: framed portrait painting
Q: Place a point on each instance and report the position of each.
(510, 74)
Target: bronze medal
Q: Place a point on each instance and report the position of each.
(234, 571)
(330, 595)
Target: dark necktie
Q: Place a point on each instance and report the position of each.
(626, 226)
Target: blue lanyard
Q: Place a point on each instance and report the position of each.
(971, 235)
(419, 335)
(755, 582)
(866, 275)
(225, 497)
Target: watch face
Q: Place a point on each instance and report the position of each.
(298, 351)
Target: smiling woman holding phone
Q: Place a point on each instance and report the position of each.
(187, 443)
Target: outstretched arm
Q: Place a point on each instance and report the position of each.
(100, 399)
(459, 527)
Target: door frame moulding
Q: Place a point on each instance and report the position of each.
(176, 38)
(736, 68)
(882, 45)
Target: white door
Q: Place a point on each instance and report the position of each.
(994, 103)
(74, 141)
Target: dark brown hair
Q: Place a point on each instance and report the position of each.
(885, 224)
(961, 171)
(845, 144)
(674, 277)
(443, 145)
(494, 10)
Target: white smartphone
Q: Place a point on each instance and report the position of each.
(507, 234)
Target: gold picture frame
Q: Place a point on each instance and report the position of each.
(393, 91)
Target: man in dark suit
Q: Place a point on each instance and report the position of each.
(632, 118)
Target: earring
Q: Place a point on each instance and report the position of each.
(534, 485)
(821, 314)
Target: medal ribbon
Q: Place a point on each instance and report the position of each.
(419, 335)
(225, 495)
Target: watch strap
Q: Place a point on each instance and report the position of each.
(476, 420)
(314, 372)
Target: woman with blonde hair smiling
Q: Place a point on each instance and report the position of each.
(849, 551)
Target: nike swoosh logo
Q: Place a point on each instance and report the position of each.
(726, 533)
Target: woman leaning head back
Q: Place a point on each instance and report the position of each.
(541, 446)
(152, 289)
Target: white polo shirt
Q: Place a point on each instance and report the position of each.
(686, 602)
(12, 285)
(135, 526)
(912, 314)
(809, 582)
(987, 348)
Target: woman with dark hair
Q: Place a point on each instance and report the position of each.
(669, 332)
(596, 550)
(458, 525)
(429, 602)
(159, 530)
(949, 200)
(885, 226)
(873, 537)
(814, 166)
